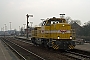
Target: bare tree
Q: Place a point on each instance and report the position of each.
(75, 21)
(68, 19)
(87, 23)
(78, 22)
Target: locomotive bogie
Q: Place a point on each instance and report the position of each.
(55, 44)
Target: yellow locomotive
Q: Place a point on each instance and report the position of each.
(55, 33)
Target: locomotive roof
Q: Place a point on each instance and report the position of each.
(55, 19)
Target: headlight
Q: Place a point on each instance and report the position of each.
(70, 37)
(63, 25)
(58, 37)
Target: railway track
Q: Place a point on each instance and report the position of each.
(71, 54)
(45, 53)
(22, 53)
(77, 56)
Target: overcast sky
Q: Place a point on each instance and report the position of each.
(15, 11)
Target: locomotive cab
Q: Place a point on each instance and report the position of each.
(53, 21)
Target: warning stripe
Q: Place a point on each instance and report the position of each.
(71, 47)
(55, 46)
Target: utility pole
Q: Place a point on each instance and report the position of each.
(24, 29)
(31, 28)
(19, 28)
(5, 27)
(1, 29)
(10, 26)
(24, 25)
(28, 23)
(5, 30)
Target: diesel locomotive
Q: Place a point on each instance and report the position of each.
(54, 33)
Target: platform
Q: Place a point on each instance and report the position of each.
(6, 53)
(85, 47)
